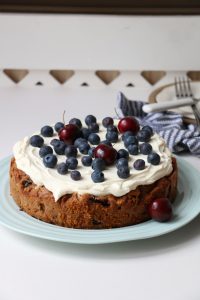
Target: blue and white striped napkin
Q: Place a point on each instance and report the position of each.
(170, 126)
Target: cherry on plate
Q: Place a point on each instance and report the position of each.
(160, 210)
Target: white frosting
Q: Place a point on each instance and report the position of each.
(28, 160)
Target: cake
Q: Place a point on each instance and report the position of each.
(115, 191)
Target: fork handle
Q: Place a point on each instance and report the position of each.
(156, 107)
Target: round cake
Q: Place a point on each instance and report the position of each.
(100, 176)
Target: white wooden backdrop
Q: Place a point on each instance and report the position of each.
(97, 51)
(81, 42)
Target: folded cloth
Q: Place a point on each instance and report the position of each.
(170, 126)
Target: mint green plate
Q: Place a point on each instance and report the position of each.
(186, 208)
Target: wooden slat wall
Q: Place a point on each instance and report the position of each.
(103, 6)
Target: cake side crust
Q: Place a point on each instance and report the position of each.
(88, 211)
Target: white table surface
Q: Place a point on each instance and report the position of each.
(166, 267)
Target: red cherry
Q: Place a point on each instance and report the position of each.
(69, 133)
(106, 152)
(128, 124)
(160, 209)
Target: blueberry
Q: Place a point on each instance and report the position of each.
(133, 149)
(72, 163)
(75, 175)
(145, 148)
(126, 134)
(148, 128)
(139, 164)
(143, 136)
(50, 160)
(94, 139)
(153, 158)
(44, 150)
(122, 162)
(122, 153)
(59, 148)
(93, 127)
(78, 141)
(54, 142)
(58, 126)
(112, 136)
(130, 140)
(105, 142)
(91, 151)
(98, 164)
(123, 172)
(70, 150)
(62, 168)
(107, 121)
(97, 176)
(36, 141)
(85, 132)
(47, 131)
(76, 122)
(84, 148)
(86, 161)
(90, 119)
(112, 128)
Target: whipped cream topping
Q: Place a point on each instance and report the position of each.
(28, 160)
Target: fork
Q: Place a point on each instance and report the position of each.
(184, 96)
(183, 90)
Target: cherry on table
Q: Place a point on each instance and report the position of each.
(160, 210)
(128, 124)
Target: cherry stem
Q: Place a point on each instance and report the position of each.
(64, 117)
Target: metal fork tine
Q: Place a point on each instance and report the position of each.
(176, 88)
(189, 88)
(180, 88)
(185, 89)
